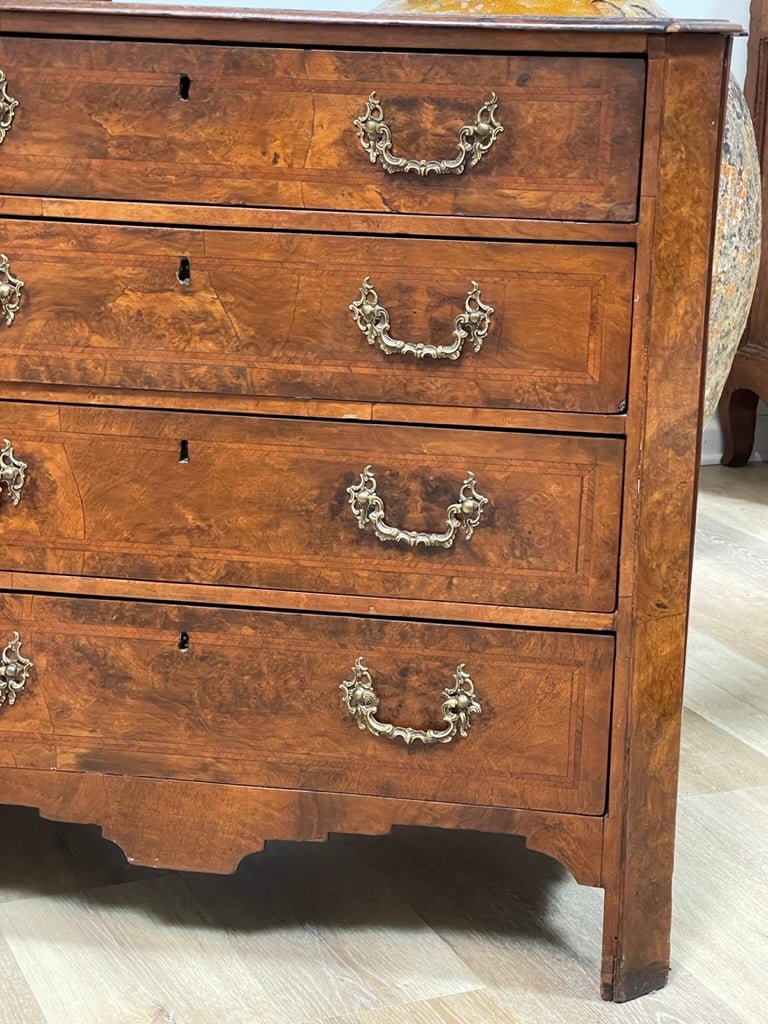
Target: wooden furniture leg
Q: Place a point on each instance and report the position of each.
(738, 418)
(748, 379)
(654, 578)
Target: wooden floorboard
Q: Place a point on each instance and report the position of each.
(427, 927)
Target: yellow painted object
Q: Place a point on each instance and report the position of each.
(548, 8)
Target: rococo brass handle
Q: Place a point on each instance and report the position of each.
(10, 291)
(14, 671)
(13, 472)
(367, 507)
(459, 703)
(7, 107)
(373, 321)
(474, 141)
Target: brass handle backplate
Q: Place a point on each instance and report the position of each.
(10, 291)
(14, 671)
(373, 320)
(474, 141)
(13, 472)
(7, 107)
(459, 704)
(368, 507)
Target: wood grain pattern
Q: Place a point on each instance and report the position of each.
(255, 700)
(385, 412)
(663, 450)
(159, 822)
(103, 306)
(748, 380)
(528, 936)
(263, 503)
(739, 402)
(275, 219)
(287, 28)
(273, 127)
(279, 974)
(286, 600)
(110, 18)
(51, 868)
(162, 746)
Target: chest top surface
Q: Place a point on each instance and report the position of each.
(590, 15)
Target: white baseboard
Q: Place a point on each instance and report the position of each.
(712, 442)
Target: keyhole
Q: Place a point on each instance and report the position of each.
(184, 273)
(184, 642)
(184, 451)
(184, 83)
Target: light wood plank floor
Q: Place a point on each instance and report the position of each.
(427, 927)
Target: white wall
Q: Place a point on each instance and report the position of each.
(727, 10)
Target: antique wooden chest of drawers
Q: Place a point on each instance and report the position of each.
(351, 384)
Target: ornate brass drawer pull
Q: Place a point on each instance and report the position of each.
(459, 703)
(12, 472)
(10, 291)
(367, 507)
(474, 141)
(7, 107)
(14, 671)
(373, 321)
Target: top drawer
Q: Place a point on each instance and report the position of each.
(275, 127)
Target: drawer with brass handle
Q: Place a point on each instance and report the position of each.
(464, 714)
(481, 517)
(349, 428)
(322, 129)
(434, 322)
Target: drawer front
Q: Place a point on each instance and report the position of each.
(267, 503)
(256, 698)
(269, 314)
(276, 127)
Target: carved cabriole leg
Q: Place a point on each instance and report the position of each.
(738, 418)
(662, 465)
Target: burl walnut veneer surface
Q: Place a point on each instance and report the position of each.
(259, 502)
(267, 313)
(128, 134)
(254, 698)
(462, 927)
(590, 496)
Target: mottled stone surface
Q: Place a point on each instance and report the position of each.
(737, 245)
